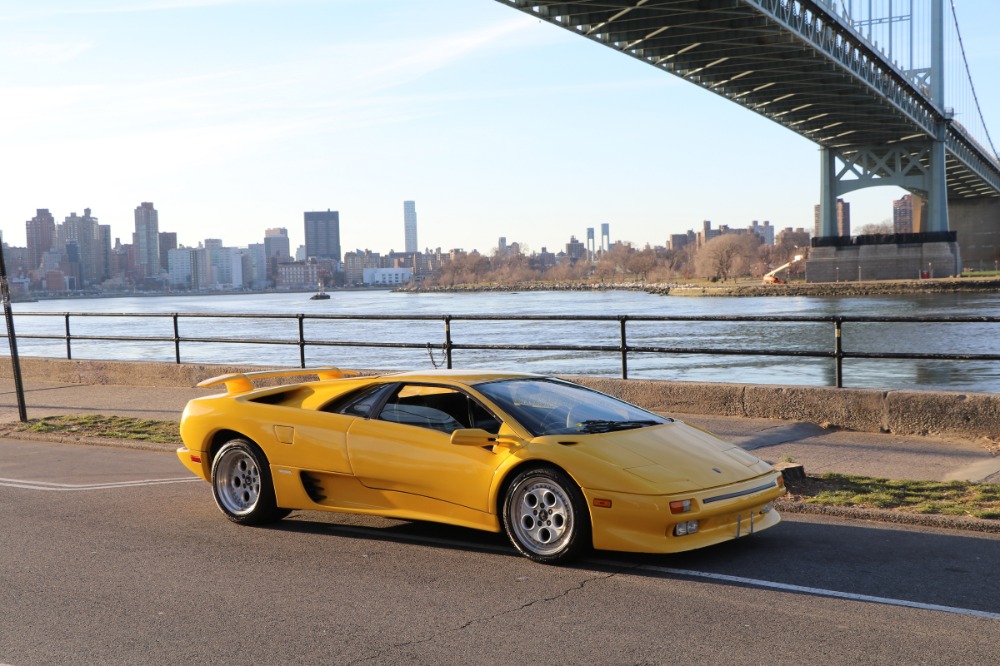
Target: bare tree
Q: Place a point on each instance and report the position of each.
(883, 227)
(726, 256)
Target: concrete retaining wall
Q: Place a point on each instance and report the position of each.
(943, 413)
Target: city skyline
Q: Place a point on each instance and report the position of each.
(235, 116)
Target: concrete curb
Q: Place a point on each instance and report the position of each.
(966, 523)
(112, 442)
(940, 413)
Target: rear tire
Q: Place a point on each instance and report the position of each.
(545, 516)
(242, 486)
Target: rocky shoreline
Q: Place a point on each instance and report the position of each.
(740, 289)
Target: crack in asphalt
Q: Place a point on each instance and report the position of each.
(564, 593)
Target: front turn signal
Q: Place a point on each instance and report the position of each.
(680, 506)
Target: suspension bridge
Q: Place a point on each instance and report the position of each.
(881, 86)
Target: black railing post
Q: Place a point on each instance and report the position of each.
(302, 341)
(15, 359)
(177, 341)
(69, 348)
(447, 340)
(624, 347)
(838, 350)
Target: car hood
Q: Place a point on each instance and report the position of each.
(675, 457)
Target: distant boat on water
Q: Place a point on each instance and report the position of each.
(320, 295)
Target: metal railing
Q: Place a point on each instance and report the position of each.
(835, 352)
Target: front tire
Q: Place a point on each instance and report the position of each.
(545, 516)
(241, 483)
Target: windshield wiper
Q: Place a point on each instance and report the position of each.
(599, 425)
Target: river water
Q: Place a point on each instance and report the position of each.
(977, 338)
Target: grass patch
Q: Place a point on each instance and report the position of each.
(949, 498)
(114, 427)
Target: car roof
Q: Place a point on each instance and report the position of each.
(462, 376)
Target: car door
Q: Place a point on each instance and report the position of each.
(406, 446)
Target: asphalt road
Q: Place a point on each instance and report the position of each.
(113, 556)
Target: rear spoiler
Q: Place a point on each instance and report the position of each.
(242, 382)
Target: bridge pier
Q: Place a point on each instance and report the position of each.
(977, 223)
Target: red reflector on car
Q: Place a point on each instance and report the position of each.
(195, 458)
(603, 503)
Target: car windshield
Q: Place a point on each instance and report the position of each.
(554, 407)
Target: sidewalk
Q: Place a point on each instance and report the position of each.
(818, 450)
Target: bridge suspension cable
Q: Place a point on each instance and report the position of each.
(972, 86)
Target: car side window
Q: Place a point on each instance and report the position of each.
(358, 404)
(438, 408)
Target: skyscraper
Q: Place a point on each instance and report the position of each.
(323, 234)
(41, 231)
(84, 232)
(410, 225)
(147, 240)
(276, 243)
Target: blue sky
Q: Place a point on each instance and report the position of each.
(234, 116)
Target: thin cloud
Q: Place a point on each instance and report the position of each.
(39, 10)
(47, 53)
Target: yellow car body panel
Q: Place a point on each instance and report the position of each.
(341, 462)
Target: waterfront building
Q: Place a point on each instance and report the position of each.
(168, 241)
(763, 231)
(80, 238)
(305, 274)
(792, 238)
(545, 259)
(387, 276)
(276, 244)
(410, 226)
(323, 234)
(16, 259)
(575, 249)
(107, 266)
(183, 267)
(355, 264)
(260, 268)
(906, 214)
(707, 233)
(41, 232)
(843, 219)
(147, 240)
(680, 241)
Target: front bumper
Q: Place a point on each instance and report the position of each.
(645, 524)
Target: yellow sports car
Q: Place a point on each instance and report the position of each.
(558, 467)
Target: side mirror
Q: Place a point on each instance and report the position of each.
(472, 437)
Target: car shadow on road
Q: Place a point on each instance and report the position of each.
(955, 568)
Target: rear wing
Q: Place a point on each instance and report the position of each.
(242, 382)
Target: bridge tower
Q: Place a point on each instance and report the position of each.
(922, 171)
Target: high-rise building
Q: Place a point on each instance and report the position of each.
(605, 237)
(147, 240)
(83, 232)
(843, 219)
(765, 232)
(168, 241)
(323, 234)
(906, 214)
(41, 232)
(575, 249)
(276, 243)
(410, 226)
